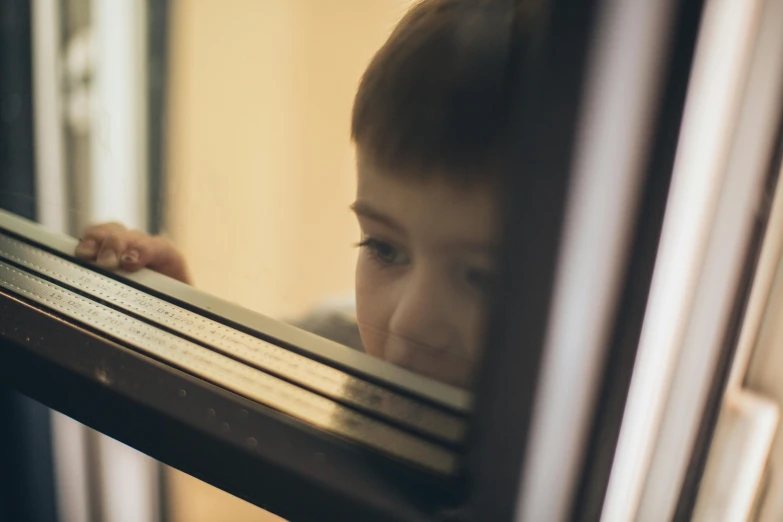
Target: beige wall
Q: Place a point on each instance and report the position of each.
(260, 165)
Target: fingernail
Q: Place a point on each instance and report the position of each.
(107, 259)
(88, 247)
(131, 256)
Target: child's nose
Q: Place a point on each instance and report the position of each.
(421, 319)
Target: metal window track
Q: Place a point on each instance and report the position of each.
(307, 390)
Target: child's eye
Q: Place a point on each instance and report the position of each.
(384, 252)
(480, 279)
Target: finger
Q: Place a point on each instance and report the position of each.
(113, 245)
(92, 240)
(87, 249)
(140, 251)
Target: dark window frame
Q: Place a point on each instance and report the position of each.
(60, 355)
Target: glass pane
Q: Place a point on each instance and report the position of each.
(285, 156)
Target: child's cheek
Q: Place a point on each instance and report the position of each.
(369, 308)
(373, 340)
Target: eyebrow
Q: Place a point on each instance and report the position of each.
(367, 211)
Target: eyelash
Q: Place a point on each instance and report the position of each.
(374, 247)
(479, 279)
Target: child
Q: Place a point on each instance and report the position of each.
(429, 122)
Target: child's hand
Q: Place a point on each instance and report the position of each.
(112, 246)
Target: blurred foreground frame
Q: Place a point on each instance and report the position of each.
(299, 473)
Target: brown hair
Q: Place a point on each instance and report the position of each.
(436, 96)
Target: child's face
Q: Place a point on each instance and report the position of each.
(424, 271)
